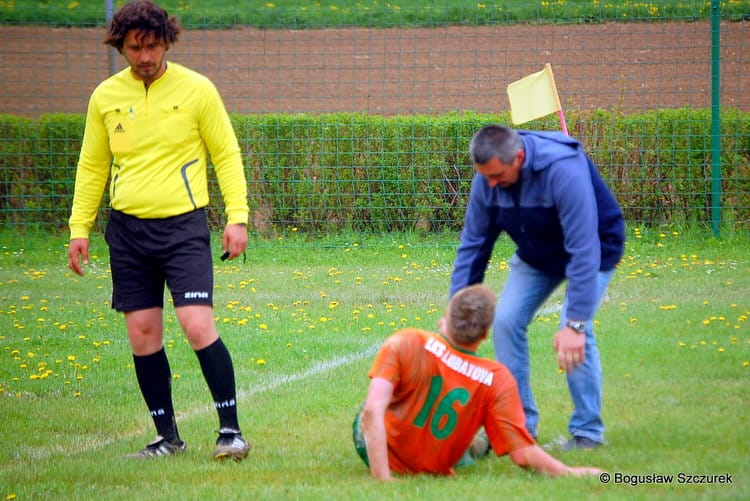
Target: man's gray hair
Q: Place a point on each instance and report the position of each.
(494, 141)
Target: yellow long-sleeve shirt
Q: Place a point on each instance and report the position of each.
(152, 144)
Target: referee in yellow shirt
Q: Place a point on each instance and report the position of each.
(149, 130)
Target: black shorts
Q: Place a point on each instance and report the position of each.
(145, 254)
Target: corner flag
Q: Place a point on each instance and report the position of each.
(535, 96)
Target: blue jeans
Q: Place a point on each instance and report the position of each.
(524, 292)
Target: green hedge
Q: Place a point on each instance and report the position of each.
(356, 172)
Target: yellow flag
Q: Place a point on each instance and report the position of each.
(533, 96)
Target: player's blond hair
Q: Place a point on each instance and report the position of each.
(470, 313)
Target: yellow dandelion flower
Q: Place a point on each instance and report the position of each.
(261, 362)
(262, 326)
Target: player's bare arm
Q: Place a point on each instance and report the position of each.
(373, 427)
(535, 458)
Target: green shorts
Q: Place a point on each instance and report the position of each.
(359, 439)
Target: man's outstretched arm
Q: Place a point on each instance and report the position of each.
(535, 458)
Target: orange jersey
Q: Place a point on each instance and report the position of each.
(442, 395)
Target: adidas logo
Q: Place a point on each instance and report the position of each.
(119, 129)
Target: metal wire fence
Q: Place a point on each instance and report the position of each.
(366, 128)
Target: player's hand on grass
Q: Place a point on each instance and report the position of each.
(581, 471)
(77, 249)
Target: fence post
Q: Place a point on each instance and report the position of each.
(715, 119)
(108, 13)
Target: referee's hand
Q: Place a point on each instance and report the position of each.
(77, 249)
(234, 240)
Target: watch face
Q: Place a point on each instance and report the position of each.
(577, 326)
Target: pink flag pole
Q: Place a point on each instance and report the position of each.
(562, 122)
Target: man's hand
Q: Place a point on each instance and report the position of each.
(234, 240)
(78, 248)
(570, 347)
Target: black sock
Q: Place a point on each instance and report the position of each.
(216, 364)
(155, 380)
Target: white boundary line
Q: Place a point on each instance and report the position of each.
(275, 382)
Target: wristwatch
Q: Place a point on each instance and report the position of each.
(578, 326)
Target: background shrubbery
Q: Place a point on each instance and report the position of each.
(356, 172)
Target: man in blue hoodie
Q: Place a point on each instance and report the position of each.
(547, 195)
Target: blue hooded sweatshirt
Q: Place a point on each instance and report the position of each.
(562, 217)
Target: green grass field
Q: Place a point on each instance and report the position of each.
(303, 320)
(376, 13)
